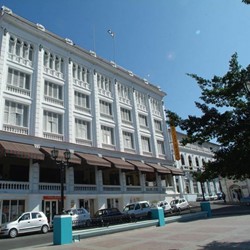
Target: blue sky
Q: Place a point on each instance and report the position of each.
(160, 40)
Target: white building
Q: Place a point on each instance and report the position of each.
(192, 158)
(56, 94)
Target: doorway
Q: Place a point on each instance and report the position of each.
(50, 209)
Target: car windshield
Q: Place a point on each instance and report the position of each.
(129, 207)
(175, 201)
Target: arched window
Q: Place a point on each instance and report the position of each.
(197, 161)
(182, 160)
(190, 161)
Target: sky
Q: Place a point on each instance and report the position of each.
(159, 40)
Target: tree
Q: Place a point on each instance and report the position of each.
(246, 1)
(225, 107)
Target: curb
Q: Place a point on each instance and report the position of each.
(86, 233)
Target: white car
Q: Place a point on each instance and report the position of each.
(28, 222)
(179, 204)
(140, 209)
(200, 197)
(165, 206)
(80, 217)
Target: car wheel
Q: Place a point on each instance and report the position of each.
(45, 229)
(88, 223)
(13, 233)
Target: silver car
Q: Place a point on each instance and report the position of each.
(165, 206)
(80, 217)
(179, 204)
(139, 209)
(26, 223)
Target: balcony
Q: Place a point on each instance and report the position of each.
(20, 60)
(18, 91)
(14, 186)
(15, 129)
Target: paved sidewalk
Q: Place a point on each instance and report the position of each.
(230, 232)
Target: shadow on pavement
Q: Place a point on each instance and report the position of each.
(226, 245)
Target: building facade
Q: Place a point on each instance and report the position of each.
(191, 159)
(55, 94)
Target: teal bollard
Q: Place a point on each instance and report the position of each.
(62, 229)
(205, 206)
(158, 213)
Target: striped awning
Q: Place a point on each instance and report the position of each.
(175, 171)
(20, 150)
(160, 169)
(73, 158)
(94, 160)
(141, 166)
(119, 163)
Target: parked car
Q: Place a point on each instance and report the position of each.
(179, 204)
(219, 196)
(138, 210)
(213, 197)
(165, 206)
(109, 216)
(80, 217)
(200, 197)
(28, 222)
(245, 200)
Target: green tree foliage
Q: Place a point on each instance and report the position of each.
(225, 117)
(246, 1)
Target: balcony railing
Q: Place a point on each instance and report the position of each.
(15, 129)
(85, 188)
(137, 189)
(55, 188)
(10, 186)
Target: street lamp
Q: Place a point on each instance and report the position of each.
(202, 184)
(62, 164)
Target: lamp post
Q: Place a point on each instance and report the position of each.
(62, 164)
(202, 187)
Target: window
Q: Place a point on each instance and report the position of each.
(145, 144)
(182, 160)
(155, 105)
(160, 146)
(128, 140)
(126, 115)
(197, 161)
(52, 122)
(18, 79)
(105, 108)
(81, 100)
(104, 82)
(53, 90)
(16, 114)
(143, 120)
(82, 129)
(140, 98)
(20, 48)
(53, 62)
(124, 91)
(190, 161)
(107, 135)
(158, 125)
(81, 73)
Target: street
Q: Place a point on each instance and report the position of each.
(218, 209)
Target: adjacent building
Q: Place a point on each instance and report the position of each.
(192, 158)
(55, 94)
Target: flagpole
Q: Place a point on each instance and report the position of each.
(112, 34)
